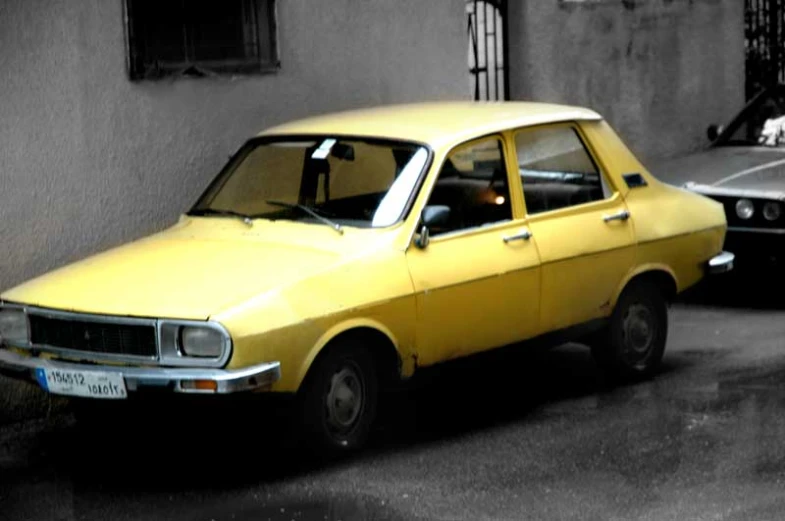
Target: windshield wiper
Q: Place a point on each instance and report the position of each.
(226, 213)
(310, 211)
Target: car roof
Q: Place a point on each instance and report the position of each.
(434, 123)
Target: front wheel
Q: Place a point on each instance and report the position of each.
(633, 343)
(338, 399)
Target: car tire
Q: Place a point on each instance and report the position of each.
(338, 399)
(632, 345)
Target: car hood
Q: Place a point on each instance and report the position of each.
(748, 168)
(190, 272)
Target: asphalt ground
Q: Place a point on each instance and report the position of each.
(508, 435)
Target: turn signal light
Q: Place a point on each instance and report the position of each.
(200, 385)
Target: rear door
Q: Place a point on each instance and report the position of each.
(583, 228)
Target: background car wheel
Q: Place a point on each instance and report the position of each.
(339, 399)
(632, 345)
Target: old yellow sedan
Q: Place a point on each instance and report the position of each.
(334, 255)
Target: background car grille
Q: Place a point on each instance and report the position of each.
(93, 337)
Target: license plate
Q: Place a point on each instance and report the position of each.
(90, 384)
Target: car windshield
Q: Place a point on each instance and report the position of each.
(761, 122)
(337, 181)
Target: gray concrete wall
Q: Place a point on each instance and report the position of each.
(89, 159)
(660, 71)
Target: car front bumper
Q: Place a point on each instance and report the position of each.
(178, 380)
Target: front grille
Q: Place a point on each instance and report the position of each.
(93, 337)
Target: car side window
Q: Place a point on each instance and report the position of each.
(473, 184)
(556, 170)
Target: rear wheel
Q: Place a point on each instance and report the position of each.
(632, 345)
(338, 399)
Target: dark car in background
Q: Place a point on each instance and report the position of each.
(744, 169)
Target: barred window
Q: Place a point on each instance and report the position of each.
(178, 37)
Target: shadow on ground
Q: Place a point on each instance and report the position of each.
(739, 289)
(218, 444)
(221, 446)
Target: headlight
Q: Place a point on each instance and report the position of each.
(744, 209)
(772, 211)
(192, 343)
(13, 326)
(201, 342)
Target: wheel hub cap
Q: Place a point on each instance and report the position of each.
(344, 399)
(638, 329)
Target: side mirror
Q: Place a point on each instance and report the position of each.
(713, 131)
(433, 215)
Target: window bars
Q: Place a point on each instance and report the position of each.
(488, 49)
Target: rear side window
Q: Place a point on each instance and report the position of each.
(557, 170)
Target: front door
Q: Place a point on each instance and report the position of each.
(584, 231)
(477, 281)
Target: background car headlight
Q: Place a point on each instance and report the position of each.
(744, 209)
(772, 211)
(13, 326)
(201, 342)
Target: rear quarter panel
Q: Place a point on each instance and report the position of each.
(677, 231)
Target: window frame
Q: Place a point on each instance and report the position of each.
(605, 179)
(514, 197)
(205, 68)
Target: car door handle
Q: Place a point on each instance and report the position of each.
(618, 216)
(524, 235)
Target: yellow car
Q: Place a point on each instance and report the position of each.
(337, 254)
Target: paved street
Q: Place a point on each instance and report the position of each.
(508, 436)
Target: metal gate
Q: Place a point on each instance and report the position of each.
(764, 31)
(487, 28)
